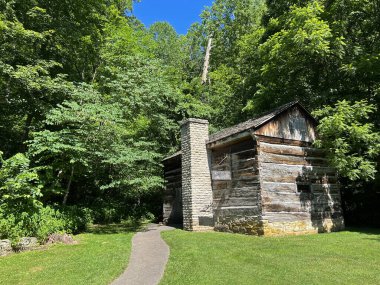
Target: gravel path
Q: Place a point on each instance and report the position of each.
(148, 258)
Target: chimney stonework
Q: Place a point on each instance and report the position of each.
(196, 176)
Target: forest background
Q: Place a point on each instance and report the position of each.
(90, 99)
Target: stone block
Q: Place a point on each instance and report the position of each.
(5, 247)
(27, 243)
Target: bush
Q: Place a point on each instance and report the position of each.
(40, 224)
(44, 222)
(77, 218)
(20, 187)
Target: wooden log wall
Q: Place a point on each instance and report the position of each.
(299, 192)
(172, 207)
(236, 199)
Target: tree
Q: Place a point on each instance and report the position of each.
(87, 142)
(295, 62)
(352, 143)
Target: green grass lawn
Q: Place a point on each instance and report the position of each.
(99, 257)
(349, 257)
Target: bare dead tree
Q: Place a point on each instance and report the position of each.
(206, 65)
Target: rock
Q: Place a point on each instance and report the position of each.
(60, 238)
(27, 243)
(5, 247)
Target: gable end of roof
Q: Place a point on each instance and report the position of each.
(256, 123)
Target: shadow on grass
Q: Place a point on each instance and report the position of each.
(123, 227)
(374, 233)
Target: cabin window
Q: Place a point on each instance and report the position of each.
(303, 188)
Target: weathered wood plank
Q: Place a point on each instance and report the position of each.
(299, 169)
(245, 172)
(268, 197)
(172, 182)
(237, 212)
(220, 185)
(246, 176)
(286, 216)
(273, 140)
(248, 192)
(292, 124)
(292, 173)
(291, 187)
(282, 178)
(292, 160)
(279, 186)
(285, 207)
(174, 171)
(291, 150)
(244, 154)
(245, 183)
(221, 167)
(300, 206)
(244, 163)
(235, 201)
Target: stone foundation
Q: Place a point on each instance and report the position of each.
(241, 227)
(302, 227)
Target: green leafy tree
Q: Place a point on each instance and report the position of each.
(294, 63)
(352, 143)
(88, 143)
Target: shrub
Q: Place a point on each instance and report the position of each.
(22, 213)
(39, 224)
(76, 218)
(20, 187)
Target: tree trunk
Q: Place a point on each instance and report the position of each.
(68, 186)
(207, 61)
(28, 123)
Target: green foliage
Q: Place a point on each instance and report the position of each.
(43, 222)
(88, 138)
(76, 219)
(21, 210)
(293, 60)
(227, 22)
(350, 139)
(20, 187)
(39, 223)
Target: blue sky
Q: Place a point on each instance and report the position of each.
(179, 13)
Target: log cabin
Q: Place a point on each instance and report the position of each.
(260, 177)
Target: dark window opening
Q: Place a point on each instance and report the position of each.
(303, 188)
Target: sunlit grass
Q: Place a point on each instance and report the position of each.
(99, 257)
(349, 257)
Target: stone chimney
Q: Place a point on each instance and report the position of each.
(196, 177)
